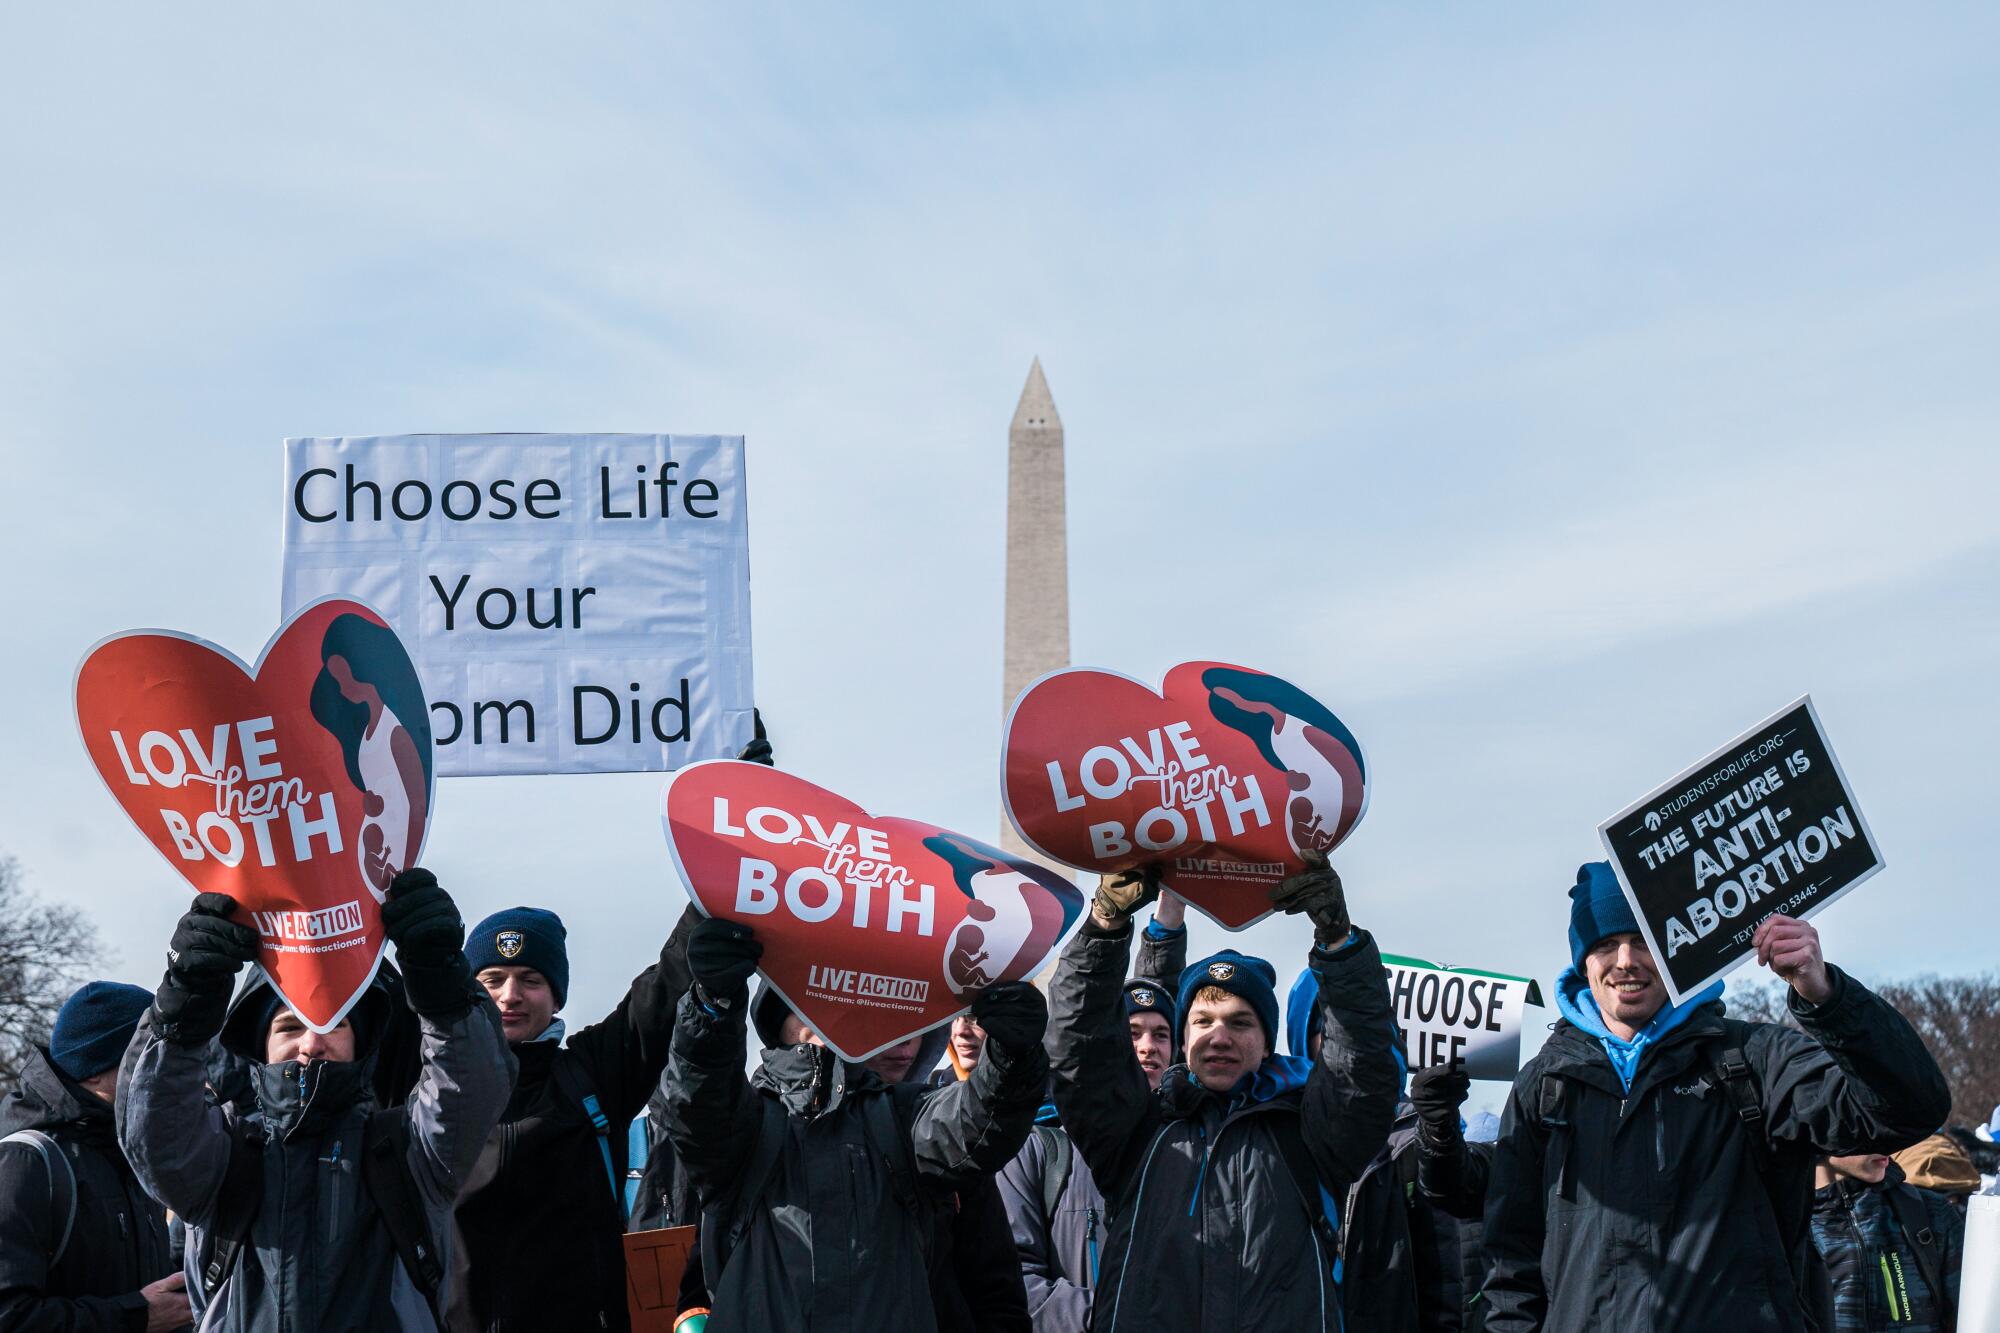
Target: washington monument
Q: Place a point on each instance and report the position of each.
(1037, 556)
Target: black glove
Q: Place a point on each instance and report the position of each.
(758, 751)
(207, 952)
(721, 956)
(1437, 1094)
(1014, 1014)
(1119, 896)
(423, 923)
(1316, 893)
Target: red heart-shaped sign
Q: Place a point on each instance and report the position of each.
(299, 786)
(874, 929)
(1223, 776)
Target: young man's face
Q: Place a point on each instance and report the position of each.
(1153, 1043)
(1624, 980)
(527, 1002)
(1868, 1168)
(290, 1039)
(893, 1064)
(968, 1039)
(1224, 1042)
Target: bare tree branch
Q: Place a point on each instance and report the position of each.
(46, 952)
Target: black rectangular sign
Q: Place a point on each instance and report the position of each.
(1766, 824)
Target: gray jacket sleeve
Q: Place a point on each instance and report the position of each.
(461, 1092)
(1350, 1101)
(1055, 1303)
(975, 1126)
(1162, 956)
(710, 1114)
(1105, 1102)
(177, 1144)
(1859, 1080)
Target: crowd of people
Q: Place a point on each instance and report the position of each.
(1149, 1145)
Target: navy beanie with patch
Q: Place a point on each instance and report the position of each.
(1252, 980)
(1143, 997)
(95, 1025)
(523, 937)
(1597, 908)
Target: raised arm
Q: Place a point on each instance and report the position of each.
(467, 1072)
(178, 1144)
(711, 1116)
(1865, 1081)
(976, 1126)
(626, 1051)
(1163, 944)
(1350, 1100)
(1451, 1172)
(1103, 1096)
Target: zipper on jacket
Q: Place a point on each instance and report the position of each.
(1090, 1240)
(1889, 1289)
(1659, 1136)
(1201, 1176)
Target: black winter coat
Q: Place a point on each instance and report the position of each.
(1212, 1227)
(542, 1226)
(1646, 1209)
(837, 1230)
(118, 1240)
(1401, 1267)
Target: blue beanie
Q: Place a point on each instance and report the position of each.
(523, 937)
(1597, 909)
(1144, 997)
(95, 1025)
(1250, 979)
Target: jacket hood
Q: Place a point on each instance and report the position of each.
(1939, 1164)
(46, 1097)
(298, 1100)
(1575, 1002)
(811, 1081)
(1302, 1014)
(248, 1019)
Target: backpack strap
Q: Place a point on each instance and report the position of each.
(62, 1184)
(236, 1206)
(575, 1083)
(1921, 1237)
(772, 1132)
(386, 1176)
(1732, 1073)
(1057, 1156)
(1552, 1109)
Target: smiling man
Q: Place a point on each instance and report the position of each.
(1223, 1182)
(559, 1155)
(1654, 1167)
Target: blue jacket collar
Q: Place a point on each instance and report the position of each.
(1575, 1002)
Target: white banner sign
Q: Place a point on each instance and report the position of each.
(1459, 1016)
(574, 603)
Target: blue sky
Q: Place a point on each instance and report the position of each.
(1554, 391)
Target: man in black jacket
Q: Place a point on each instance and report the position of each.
(1054, 1209)
(1655, 1161)
(819, 1182)
(543, 1216)
(81, 1246)
(1223, 1183)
